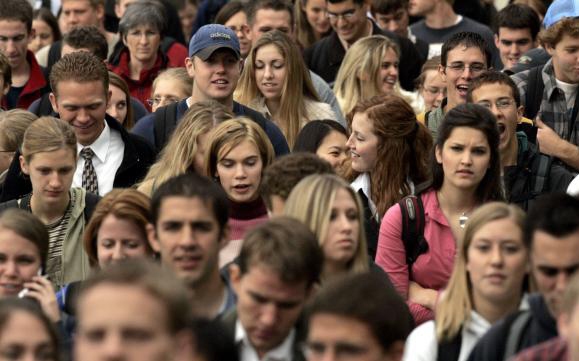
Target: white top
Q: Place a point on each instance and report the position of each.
(109, 149)
(573, 188)
(570, 91)
(283, 352)
(422, 344)
(362, 182)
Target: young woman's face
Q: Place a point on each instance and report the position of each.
(341, 242)
(497, 261)
(465, 158)
(19, 262)
(51, 175)
(239, 172)
(388, 73)
(167, 91)
(316, 15)
(333, 149)
(270, 71)
(119, 239)
(25, 337)
(117, 107)
(363, 144)
(433, 90)
(42, 37)
(238, 23)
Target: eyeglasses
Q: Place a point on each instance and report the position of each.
(474, 68)
(158, 100)
(551, 272)
(343, 351)
(346, 15)
(239, 29)
(503, 103)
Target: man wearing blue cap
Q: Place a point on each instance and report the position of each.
(215, 64)
(549, 92)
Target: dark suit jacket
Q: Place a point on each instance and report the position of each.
(230, 318)
(137, 158)
(325, 57)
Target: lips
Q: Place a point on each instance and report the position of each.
(496, 277)
(462, 89)
(465, 172)
(10, 288)
(241, 188)
(187, 262)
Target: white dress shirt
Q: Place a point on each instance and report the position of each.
(283, 352)
(109, 149)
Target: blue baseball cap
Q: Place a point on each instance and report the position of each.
(210, 38)
(559, 10)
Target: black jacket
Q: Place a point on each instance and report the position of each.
(325, 57)
(541, 327)
(137, 158)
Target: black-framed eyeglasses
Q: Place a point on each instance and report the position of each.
(475, 68)
(502, 103)
(346, 15)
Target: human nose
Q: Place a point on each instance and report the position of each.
(112, 111)
(466, 157)
(10, 268)
(118, 252)
(561, 281)
(269, 314)
(112, 347)
(268, 74)
(497, 256)
(350, 142)
(240, 171)
(220, 66)
(82, 115)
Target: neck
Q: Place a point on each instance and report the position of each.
(443, 16)
(333, 269)
(273, 105)
(492, 310)
(450, 103)
(21, 74)
(509, 155)
(137, 66)
(197, 97)
(456, 201)
(207, 297)
(49, 213)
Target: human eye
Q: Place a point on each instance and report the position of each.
(456, 148)
(172, 226)
(349, 14)
(503, 103)
(251, 161)
(132, 244)
(485, 104)
(94, 336)
(107, 243)
(479, 151)
(44, 171)
(203, 226)
(122, 105)
(506, 42)
(45, 353)
(259, 65)
(44, 36)
(511, 248)
(456, 66)
(258, 298)
(227, 163)
(12, 352)
(477, 67)
(265, 29)
(482, 246)
(278, 65)
(352, 215)
(333, 215)
(25, 259)
(521, 42)
(136, 335)
(71, 108)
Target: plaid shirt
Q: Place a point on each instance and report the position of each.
(552, 350)
(553, 110)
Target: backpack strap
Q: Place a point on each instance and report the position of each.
(54, 54)
(413, 222)
(518, 325)
(165, 124)
(534, 93)
(449, 350)
(166, 44)
(90, 202)
(541, 171)
(44, 107)
(13, 203)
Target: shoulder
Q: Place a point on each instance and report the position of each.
(521, 78)
(421, 344)
(318, 110)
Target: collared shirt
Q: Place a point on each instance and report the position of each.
(283, 352)
(109, 149)
(553, 111)
(554, 349)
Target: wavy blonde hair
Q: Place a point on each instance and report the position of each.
(454, 309)
(178, 155)
(311, 202)
(292, 111)
(358, 77)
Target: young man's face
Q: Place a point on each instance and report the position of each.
(348, 20)
(500, 100)
(267, 307)
(267, 20)
(121, 6)
(396, 21)
(421, 7)
(83, 106)
(80, 13)
(565, 57)
(554, 261)
(14, 39)
(122, 322)
(215, 78)
(512, 43)
(463, 65)
(347, 338)
(188, 238)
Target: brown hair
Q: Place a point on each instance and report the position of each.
(552, 36)
(48, 134)
(28, 226)
(13, 125)
(81, 67)
(5, 70)
(127, 204)
(403, 149)
(120, 83)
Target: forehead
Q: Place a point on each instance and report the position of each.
(492, 91)
(176, 208)
(272, 17)
(465, 54)
(262, 279)
(12, 27)
(75, 5)
(548, 249)
(240, 150)
(80, 92)
(514, 34)
(348, 4)
(333, 328)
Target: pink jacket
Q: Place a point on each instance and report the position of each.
(433, 268)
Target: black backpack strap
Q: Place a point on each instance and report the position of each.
(44, 107)
(13, 203)
(165, 124)
(518, 325)
(449, 350)
(90, 202)
(534, 93)
(413, 222)
(166, 44)
(541, 171)
(54, 54)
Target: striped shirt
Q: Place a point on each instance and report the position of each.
(56, 234)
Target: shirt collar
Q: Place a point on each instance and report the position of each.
(281, 352)
(100, 146)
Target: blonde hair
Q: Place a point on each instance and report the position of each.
(179, 75)
(311, 202)
(230, 134)
(13, 124)
(292, 110)
(178, 155)
(455, 307)
(48, 134)
(358, 77)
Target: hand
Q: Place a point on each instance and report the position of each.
(423, 296)
(40, 289)
(549, 141)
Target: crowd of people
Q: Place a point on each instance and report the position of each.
(268, 180)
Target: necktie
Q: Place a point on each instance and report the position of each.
(89, 176)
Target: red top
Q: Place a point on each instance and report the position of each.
(433, 268)
(34, 87)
